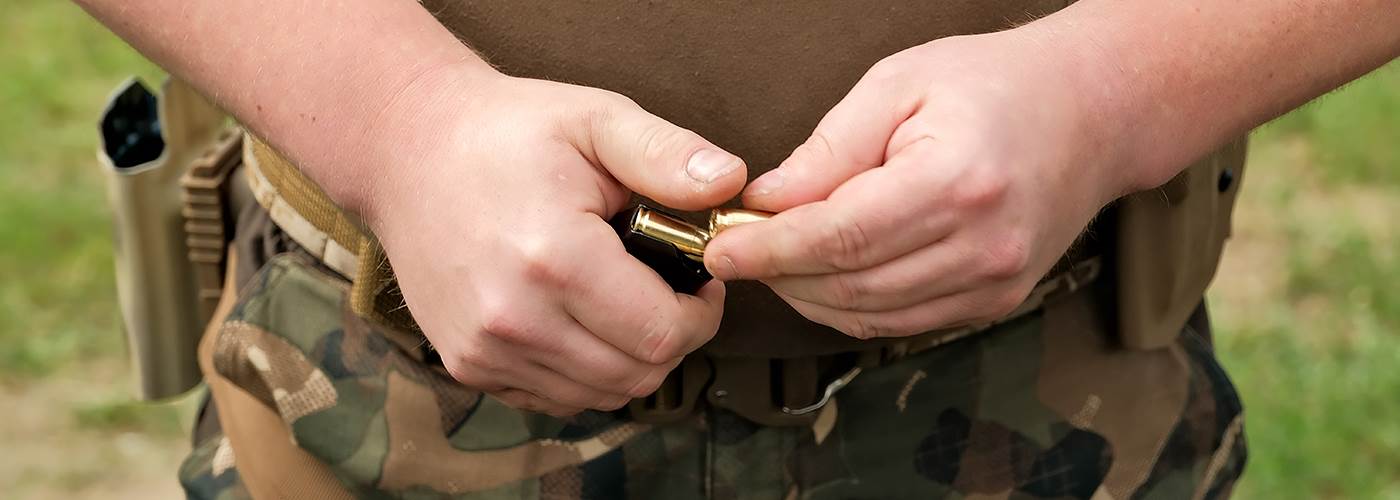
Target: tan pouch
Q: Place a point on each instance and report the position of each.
(147, 143)
(1169, 244)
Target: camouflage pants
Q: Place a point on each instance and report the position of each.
(1042, 407)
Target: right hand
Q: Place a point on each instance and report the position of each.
(494, 218)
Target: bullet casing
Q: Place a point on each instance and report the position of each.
(672, 247)
(687, 238)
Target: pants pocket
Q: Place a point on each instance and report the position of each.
(361, 400)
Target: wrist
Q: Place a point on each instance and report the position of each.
(1126, 113)
(1091, 102)
(394, 146)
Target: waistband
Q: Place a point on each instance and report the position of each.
(797, 389)
(309, 217)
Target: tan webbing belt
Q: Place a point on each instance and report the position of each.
(302, 210)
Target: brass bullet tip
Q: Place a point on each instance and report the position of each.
(725, 218)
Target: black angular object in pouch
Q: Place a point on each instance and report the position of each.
(667, 244)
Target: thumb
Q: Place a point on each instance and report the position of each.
(659, 160)
(850, 139)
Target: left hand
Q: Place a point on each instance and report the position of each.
(937, 192)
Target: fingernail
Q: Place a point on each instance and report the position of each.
(706, 165)
(767, 183)
(726, 271)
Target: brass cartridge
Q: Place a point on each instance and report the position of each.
(672, 247)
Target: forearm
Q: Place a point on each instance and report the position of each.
(1180, 78)
(312, 77)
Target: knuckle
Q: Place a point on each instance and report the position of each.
(615, 380)
(658, 143)
(475, 361)
(647, 385)
(883, 284)
(663, 143)
(493, 308)
(505, 323)
(887, 69)
(863, 328)
(540, 260)
(660, 337)
(456, 368)
(665, 334)
(901, 283)
(847, 291)
(816, 146)
(1006, 259)
(610, 98)
(604, 107)
(987, 189)
(843, 244)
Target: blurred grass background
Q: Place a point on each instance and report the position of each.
(1307, 303)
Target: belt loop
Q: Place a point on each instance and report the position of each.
(799, 381)
(366, 284)
(678, 395)
(746, 387)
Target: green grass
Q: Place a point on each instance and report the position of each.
(1320, 423)
(1350, 272)
(71, 428)
(56, 300)
(125, 415)
(1353, 131)
(1320, 379)
(1317, 361)
(1319, 365)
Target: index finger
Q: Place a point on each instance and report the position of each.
(876, 216)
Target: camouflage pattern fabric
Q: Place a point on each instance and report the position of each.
(209, 471)
(1042, 407)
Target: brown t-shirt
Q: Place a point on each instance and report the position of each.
(754, 78)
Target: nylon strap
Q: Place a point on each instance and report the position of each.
(317, 224)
